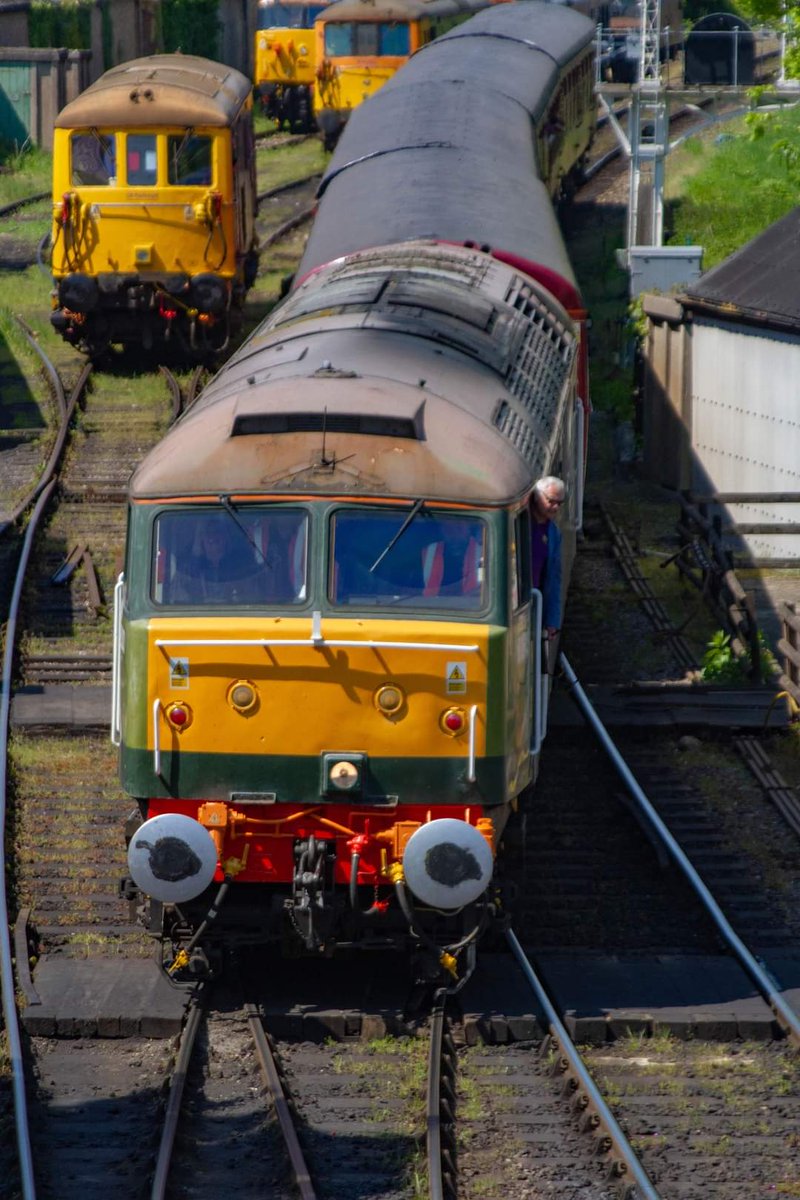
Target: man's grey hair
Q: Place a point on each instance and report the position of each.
(550, 481)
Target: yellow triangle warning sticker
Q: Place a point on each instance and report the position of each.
(455, 678)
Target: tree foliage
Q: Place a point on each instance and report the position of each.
(67, 24)
(191, 26)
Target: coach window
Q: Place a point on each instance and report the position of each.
(94, 159)
(141, 160)
(189, 158)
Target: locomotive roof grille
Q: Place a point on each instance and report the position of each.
(498, 334)
(537, 375)
(370, 424)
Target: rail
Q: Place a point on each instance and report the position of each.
(175, 1099)
(626, 559)
(39, 496)
(629, 1162)
(786, 1016)
(439, 1139)
(7, 983)
(280, 1103)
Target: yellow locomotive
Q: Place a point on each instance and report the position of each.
(360, 44)
(285, 60)
(154, 204)
(329, 686)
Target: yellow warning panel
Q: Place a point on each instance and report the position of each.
(456, 678)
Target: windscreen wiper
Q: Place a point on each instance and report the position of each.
(417, 508)
(226, 503)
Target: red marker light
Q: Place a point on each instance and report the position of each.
(179, 716)
(453, 720)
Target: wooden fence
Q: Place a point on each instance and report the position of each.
(789, 647)
(705, 561)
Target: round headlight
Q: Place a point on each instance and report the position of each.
(389, 699)
(242, 695)
(343, 775)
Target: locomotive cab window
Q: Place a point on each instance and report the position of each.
(234, 557)
(189, 159)
(393, 38)
(339, 39)
(431, 561)
(344, 38)
(94, 159)
(141, 159)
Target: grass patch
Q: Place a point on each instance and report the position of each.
(284, 164)
(23, 171)
(753, 162)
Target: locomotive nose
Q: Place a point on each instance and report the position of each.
(447, 863)
(172, 858)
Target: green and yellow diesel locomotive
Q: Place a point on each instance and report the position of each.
(154, 203)
(328, 680)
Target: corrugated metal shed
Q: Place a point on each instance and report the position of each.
(721, 408)
(759, 281)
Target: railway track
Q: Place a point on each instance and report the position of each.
(21, 221)
(65, 796)
(707, 1119)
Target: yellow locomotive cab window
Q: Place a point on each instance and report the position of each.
(432, 561)
(346, 38)
(230, 557)
(189, 158)
(94, 159)
(339, 39)
(393, 38)
(141, 160)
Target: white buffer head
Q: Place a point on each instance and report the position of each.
(447, 863)
(172, 858)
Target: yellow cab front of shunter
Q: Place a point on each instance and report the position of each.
(357, 53)
(143, 200)
(284, 42)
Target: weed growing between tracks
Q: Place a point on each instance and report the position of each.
(718, 1096)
